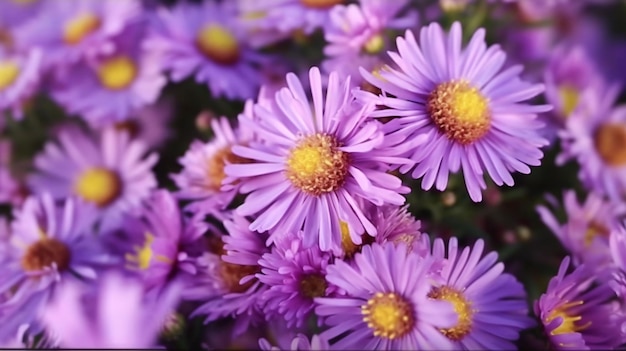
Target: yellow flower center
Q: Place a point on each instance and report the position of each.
(117, 72)
(389, 315)
(462, 307)
(44, 252)
(569, 99)
(348, 246)
(316, 165)
(320, 4)
(9, 71)
(375, 44)
(98, 185)
(313, 285)
(460, 111)
(80, 27)
(570, 324)
(593, 230)
(218, 44)
(610, 142)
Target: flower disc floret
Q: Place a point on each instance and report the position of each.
(389, 315)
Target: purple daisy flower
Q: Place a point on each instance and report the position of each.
(491, 305)
(111, 172)
(111, 87)
(19, 79)
(460, 110)
(576, 314)
(295, 276)
(311, 163)
(207, 41)
(300, 342)
(70, 31)
(49, 244)
(386, 304)
(586, 231)
(594, 136)
(115, 313)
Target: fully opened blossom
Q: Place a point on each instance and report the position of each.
(312, 163)
(462, 111)
(113, 173)
(20, 75)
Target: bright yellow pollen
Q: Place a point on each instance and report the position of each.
(462, 307)
(389, 315)
(218, 44)
(9, 71)
(320, 4)
(98, 185)
(569, 99)
(593, 231)
(80, 27)
(460, 111)
(313, 285)
(570, 323)
(375, 44)
(117, 72)
(144, 253)
(44, 252)
(610, 142)
(316, 165)
(348, 246)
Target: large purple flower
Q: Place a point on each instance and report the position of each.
(459, 109)
(312, 162)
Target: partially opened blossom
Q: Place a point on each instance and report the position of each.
(312, 162)
(20, 75)
(460, 109)
(112, 173)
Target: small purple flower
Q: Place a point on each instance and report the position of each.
(312, 162)
(576, 314)
(300, 342)
(111, 172)
(19, 79)
(114, 313)
(459, 109)
(386, 304)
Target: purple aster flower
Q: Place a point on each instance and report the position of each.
(576, 314)
(206, 41)
(111, 172)
(386, 304)
(295, 276)
(109, 88)
(300, 342)
(114, 313)
(19, 79)
(460, 110)
(70, 31)
(491, 305)
(226, 283)
(49, 244)
(311, 163)
(594, 136)
(586, 230)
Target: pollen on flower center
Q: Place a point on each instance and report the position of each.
(117, 72)
(316, 165)
(389, 315)
(44, 252)
(593, 230)
(320, 4)
(571, 323)
(144, 253)
(375, 44)
(460, 111)
(80, 27)
(98, 185)
(313, 285)
(9, 71)
(218, 44)
(569, 99)
(610, 142)
(462, 307)
(215, 168)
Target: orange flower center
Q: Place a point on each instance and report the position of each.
(78, 28)
(320, 4)
(610, 142)
(44, 252)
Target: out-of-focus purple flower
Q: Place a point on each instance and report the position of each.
(48, 244)
(312, 162)
(206, 41)
(300, 342)
(458, 110)
(13, 13)
(386, 304)
(295, 276)
(11, 189)
(576, 314)
(491, 305)
(19, 79)
(111, 172)
(113, 86)
(586, 230)
(114, 313)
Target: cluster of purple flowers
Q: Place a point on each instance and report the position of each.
(292, 218)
